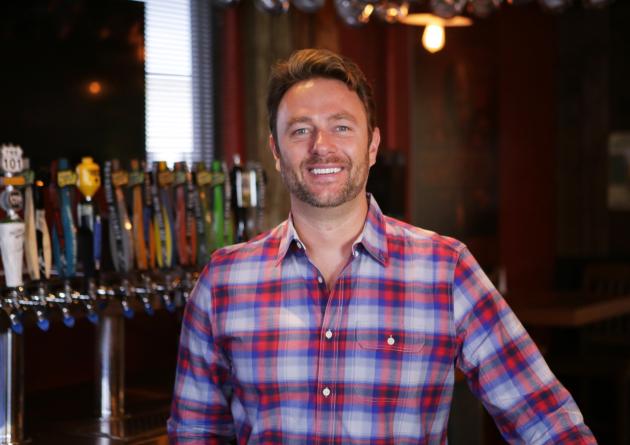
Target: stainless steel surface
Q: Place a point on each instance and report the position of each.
(11, 388)
(110, 368)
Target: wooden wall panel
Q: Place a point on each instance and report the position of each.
(526, 147)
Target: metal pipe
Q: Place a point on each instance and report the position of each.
(11, 388)
(110, 368)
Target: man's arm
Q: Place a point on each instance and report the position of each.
(505, 369)
(200, 412)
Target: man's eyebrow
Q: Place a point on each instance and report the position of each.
(341, 116)
(298, 120)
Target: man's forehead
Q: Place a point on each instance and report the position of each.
(293, 107)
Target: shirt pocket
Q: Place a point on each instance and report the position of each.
(389, 340)
(386, 365)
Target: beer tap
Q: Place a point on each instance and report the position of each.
(187, 284)
(226, 199)
(89, 233)
(261, 190)
(11, 305)
(12, 233)
(186, 234)
(166, 293)
(145, 293)
(240, 199)
(203, 214)
(64, 300)
(221, 194)
(120, 228)
(125, 292)
(144, 243)
(120, 232)
(40, 304)
(65, 238)
(36, 244)
(163, 215)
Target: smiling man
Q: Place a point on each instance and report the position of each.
(342, 325)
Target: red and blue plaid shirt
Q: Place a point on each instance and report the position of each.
(260, 361)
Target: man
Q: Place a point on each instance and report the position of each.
(344, 326)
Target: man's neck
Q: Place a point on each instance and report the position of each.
(328, 233)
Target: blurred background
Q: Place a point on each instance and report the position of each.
(514, 137)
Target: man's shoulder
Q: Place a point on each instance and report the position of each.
(402, 233)
(260, 248)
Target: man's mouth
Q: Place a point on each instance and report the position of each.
(325, 171)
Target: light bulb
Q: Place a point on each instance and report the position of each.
(433, 38)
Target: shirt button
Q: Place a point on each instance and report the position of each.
(355, 253)
(326, 392)
(320, 280)
(391, 341)
(299, 245)
(328, 334)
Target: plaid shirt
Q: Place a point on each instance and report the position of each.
(260, 361)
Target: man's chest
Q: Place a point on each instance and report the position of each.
(377, 339)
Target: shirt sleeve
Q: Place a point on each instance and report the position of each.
(504, 368)
(200, 411)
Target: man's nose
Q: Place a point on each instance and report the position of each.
(323, 142)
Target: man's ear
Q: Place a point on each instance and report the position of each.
(374, 143)
(275, 151)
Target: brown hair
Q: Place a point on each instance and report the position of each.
(309, 63)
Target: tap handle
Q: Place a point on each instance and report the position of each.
(16, 322)
(169, 304)
(128, 312)
(92, 315)
(146, 302)
(42, 320)
(68, 319)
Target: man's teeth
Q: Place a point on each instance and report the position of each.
(326, 171)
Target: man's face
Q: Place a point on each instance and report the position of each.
(322, 151)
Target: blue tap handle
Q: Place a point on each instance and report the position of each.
(67, 224)
(68, 319)
(42, 321)
(127, 311)
(16, 323)
(93, 317)
(148, 308)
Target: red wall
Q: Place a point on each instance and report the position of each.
(526, 147)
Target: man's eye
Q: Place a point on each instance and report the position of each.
(300, 131)
(343, 128)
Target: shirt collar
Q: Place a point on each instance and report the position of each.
(373, 237)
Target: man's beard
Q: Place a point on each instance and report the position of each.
(355, 182)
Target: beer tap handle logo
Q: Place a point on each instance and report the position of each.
(11, 199)
(12, 228)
